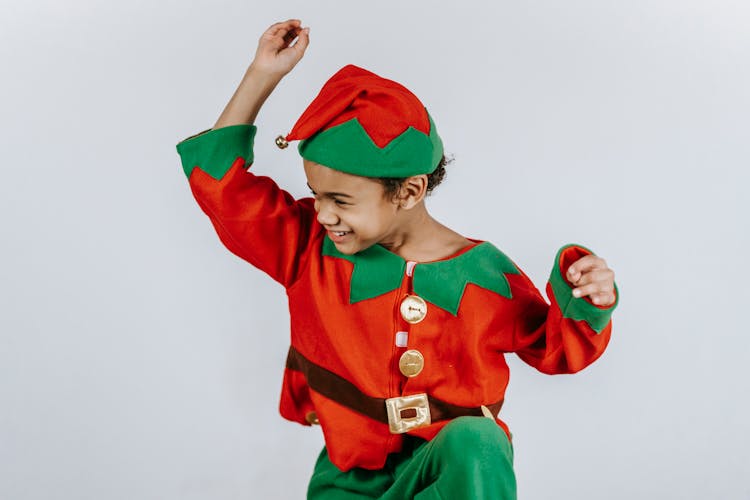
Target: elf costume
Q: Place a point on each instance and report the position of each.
(385, 354)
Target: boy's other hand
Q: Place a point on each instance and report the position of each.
(591, 277)
(277, 50)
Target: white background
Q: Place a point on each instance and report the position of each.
(139, 359)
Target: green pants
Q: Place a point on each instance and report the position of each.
(470, 459)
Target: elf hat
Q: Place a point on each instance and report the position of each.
(365, 125)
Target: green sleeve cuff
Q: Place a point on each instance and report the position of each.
(577, 308)
(215, 150)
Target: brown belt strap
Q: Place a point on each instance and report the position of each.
(340, 390)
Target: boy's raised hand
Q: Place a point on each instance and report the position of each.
(276, 55)
(594, 279)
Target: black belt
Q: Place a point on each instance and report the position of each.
(340, 390)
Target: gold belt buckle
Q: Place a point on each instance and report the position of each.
(408, 412)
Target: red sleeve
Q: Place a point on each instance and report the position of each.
(253, 217)
(568, 334)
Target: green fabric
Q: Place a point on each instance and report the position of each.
(376, 270)
(470, 458)
(348, 148)
(442, 283)
(215, 150)
(578, 308)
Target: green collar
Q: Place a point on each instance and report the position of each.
(442, 283)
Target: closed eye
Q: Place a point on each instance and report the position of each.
(332, 196)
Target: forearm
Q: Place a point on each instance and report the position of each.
(247, 100)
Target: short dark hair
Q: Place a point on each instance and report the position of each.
(392, 184)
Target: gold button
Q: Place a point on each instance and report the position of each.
(281, 142)
(411, 363)
(413, 309)
(312, 418)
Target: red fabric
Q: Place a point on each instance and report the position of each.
(464, 354)
(384, 108)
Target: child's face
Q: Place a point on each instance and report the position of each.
(354, 209)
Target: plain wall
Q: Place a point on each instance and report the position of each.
(139, 359)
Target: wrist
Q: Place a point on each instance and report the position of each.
(262, 76)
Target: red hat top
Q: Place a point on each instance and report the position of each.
(356, 110)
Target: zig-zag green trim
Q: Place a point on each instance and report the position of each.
(376, 270)
(348, 148)
(442, 283)
(215, 150)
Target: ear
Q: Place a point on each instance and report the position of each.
(412, 191)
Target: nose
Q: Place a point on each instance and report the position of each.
(325, 215)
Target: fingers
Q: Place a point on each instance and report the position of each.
(290, 35)
(302, 41)
(600, 292)
(282, 35)
(592, 278)
(277, 33)
(281, 47)
(583, 265)
(283, 25)
(603, 299)
(596, 276)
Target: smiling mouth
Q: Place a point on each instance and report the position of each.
(338, 236)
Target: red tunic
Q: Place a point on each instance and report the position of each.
(345, 310)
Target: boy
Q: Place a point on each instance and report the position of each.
(399, 324)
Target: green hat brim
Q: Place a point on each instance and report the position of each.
(348, 148)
